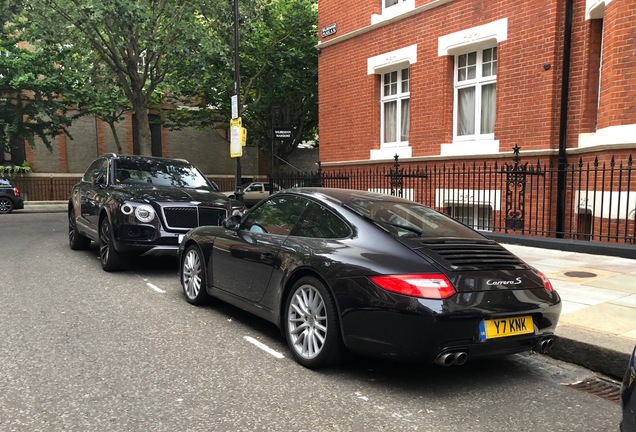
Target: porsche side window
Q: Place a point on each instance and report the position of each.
(275, 216)
(319, 222)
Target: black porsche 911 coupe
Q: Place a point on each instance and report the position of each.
(345, 270)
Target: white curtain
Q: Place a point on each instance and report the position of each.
(466, 111)
(390, 122)
(405, 125)
(488, 101)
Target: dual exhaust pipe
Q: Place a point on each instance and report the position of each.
(458, 358)
(543, 345)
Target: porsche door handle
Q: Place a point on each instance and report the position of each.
(267, 258)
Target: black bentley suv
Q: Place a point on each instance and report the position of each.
(138, 205)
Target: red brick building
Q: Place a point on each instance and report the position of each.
(468, 80)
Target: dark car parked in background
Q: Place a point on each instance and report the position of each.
(372, 274)
(10, 198)
(138, 205)
(628, 396)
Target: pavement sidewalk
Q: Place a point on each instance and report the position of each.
(597, 328)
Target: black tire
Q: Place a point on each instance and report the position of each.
(311, 324)
(193, 279)
(6, 205)
(111, 260)
(76, 240)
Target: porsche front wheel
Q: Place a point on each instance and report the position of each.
(193, 276)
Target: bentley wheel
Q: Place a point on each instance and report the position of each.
(193, 276)
(312, 325)
(76, 240)
(6, 205)
(111, 259)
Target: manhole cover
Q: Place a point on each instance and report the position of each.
(580, 274)
(605, 389)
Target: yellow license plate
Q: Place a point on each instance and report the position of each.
(502, 327)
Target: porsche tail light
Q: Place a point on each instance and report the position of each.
(429, 286)
(546, 282)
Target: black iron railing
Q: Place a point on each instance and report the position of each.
(516, 198)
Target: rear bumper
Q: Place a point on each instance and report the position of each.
(408, 328)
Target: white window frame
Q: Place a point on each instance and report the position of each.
(398, 8)
(478, 83)
(378, 65)
(398, 97)
(470, 39)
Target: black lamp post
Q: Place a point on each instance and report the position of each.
(238, 193)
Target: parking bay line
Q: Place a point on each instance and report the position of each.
(156, 288)
(264, 347)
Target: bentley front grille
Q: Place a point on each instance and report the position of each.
(183, 217)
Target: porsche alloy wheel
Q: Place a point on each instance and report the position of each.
(110, 258)
(311, 324)
(193, 276)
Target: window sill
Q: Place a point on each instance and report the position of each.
(470, 148)
(390, 152)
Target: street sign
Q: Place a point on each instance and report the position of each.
(236, 149)
(236, 122)
(235, 112)
(283, 133)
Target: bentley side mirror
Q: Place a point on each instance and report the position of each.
(99, 179)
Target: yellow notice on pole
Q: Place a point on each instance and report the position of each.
(236, 149)
(236, 122)
(243, 136)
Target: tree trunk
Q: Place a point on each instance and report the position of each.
(143, 129)
(113, 129)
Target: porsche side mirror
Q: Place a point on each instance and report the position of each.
(232, 223)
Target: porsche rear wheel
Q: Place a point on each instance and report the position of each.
(193, 276)
(312, 324)
(112, 260)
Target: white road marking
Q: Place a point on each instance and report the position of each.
(263, 347)
(155, 287)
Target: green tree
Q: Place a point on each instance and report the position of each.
(139, 42)
(278, 68)
(31, 84)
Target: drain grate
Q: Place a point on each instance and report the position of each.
(606, 389)
(580, 274)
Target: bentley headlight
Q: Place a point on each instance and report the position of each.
(144, 213)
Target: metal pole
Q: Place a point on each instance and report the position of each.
(238, 193)
(563, 159)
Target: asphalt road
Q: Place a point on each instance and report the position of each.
(85, 350)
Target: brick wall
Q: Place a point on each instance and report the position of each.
(92, 137)
(528, 80)
(618, 77)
